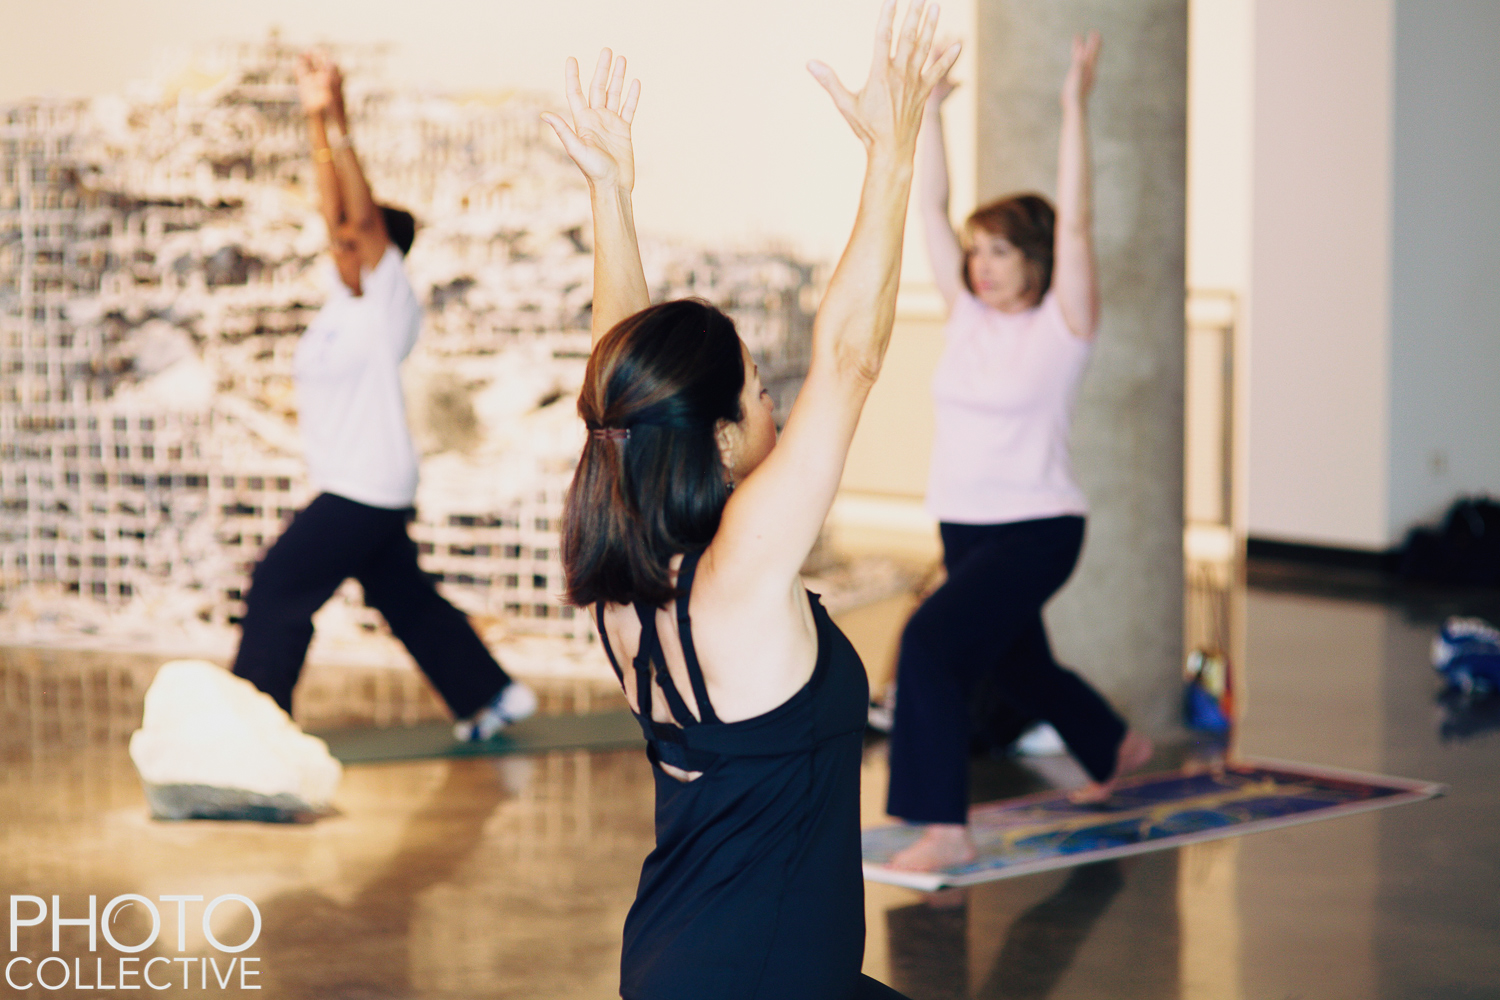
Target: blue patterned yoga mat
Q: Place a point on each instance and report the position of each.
(1148, 812)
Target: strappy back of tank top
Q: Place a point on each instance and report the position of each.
(669, 741)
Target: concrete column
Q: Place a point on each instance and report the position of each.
(1119, 621)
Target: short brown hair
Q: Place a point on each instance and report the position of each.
(651, 481)
(1027, 222)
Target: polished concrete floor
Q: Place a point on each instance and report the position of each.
(511, 877)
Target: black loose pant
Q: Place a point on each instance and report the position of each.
(985, 624)
(330, 540)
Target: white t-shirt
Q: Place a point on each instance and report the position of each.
(1003, 398)
(349, 401)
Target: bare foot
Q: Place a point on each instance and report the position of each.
(942, 845)
(1134, 751)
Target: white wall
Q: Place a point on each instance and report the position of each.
(1221, 106)
(1320, 263)
(1360, 222)
(1445, 295)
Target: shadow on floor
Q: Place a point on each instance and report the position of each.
(930, 940)
(361, 948)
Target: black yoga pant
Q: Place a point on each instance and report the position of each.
(330, 540)
(985, 625)
(866, 988)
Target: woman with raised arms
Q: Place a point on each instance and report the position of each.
(1023, 305)
(685, 528)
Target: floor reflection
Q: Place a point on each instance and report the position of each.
(1461, 716)
(1094, 931)
(501, 877)
(1044, 940)
(1208, 909)
(69, 698)
(510, 880)
(930, 939)
(377, 947)
(511, 877)
(498, 877)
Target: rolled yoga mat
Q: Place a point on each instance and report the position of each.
(538, 734)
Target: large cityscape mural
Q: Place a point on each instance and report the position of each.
(159, 257)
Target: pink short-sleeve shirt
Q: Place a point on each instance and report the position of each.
(1003, 397)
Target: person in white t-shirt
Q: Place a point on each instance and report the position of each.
(1023, 303)
(360, 455)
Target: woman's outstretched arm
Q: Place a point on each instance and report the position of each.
(943, 250)
(342, 191)
(599, 142)
(773, 518)
(1075, 274)
(314, 87)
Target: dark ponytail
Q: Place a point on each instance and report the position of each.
(651, 481)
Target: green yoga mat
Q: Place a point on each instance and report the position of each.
(538, 734)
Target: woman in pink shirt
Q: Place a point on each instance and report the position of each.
(1023, 307)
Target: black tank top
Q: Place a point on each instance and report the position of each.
(754, 889)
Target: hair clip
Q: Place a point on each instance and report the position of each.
(611, 433)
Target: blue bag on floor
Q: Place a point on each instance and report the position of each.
(1466, 652)
(1206, 697)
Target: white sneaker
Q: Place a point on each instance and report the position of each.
(1460, 636)
(515, 702)
(1041, 740)
(882, 714)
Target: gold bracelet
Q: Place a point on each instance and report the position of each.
(322, 155)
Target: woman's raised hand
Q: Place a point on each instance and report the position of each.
(599, 139)
(315, 82)
(940, 92)
(887, 111)
(336, 91)
(1080, 79)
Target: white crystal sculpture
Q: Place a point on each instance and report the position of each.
(212, 746)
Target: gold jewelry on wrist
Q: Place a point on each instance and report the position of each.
(322, 155)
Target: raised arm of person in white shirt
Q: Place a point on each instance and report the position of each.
(356, 228)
